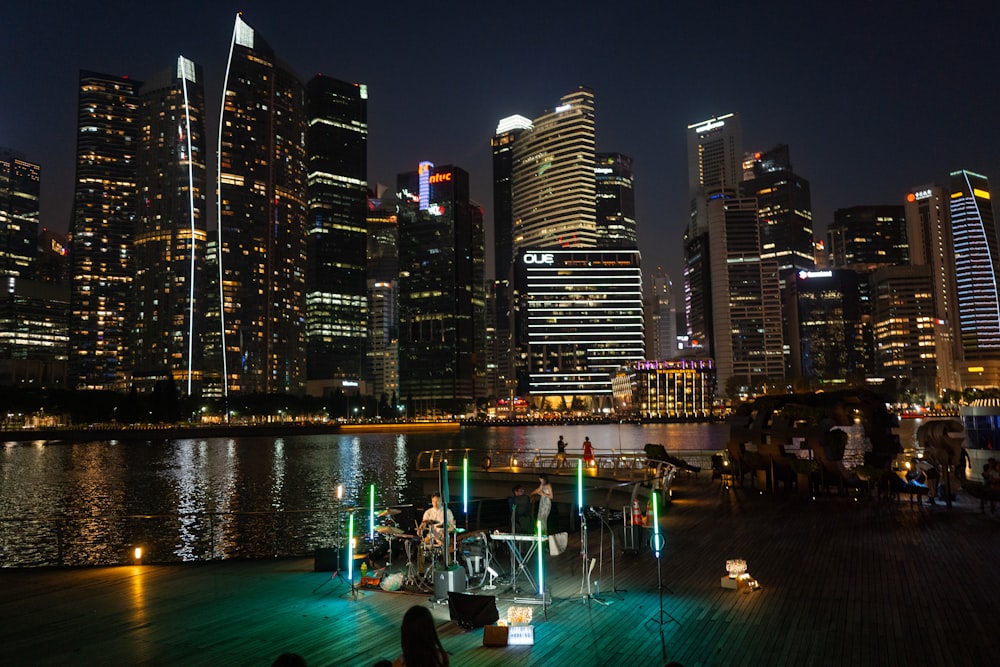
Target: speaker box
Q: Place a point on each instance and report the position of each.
(449, 581)
(473, 611)
(495, 635)
(325, 559)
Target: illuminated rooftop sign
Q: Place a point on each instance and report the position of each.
(439, 178)
(805, 275)
(710, 124)
(424, 190)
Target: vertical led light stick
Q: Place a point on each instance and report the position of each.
(541, 574)
(657, 544)
(465, 486)
(350, 549)
(371, 513)
(579, 485)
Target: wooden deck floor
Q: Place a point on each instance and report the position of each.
(843, 583)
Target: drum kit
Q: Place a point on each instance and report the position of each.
(424, 551)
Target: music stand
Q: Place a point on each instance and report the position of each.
(614, 588)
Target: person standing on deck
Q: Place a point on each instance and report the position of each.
(560, 453)
(544, 492)
(588, 452)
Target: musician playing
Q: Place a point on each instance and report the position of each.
(433, 521)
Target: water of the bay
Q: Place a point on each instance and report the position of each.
(182, 500)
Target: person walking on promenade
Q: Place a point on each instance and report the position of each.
(560, 453)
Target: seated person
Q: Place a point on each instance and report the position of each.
(434, 522)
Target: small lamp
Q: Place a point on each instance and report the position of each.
(736, 567)
(138, 555)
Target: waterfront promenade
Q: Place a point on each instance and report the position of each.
(843, 582)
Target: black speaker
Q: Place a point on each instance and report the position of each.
(472, 611)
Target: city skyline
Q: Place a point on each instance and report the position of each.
(847, 91)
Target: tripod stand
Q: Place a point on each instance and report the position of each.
(586, 564)
(338, 545)
(662, 617)
(600, 571)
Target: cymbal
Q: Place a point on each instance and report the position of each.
(406, 536)
(432, 522)
(389, 512)
(388, 530)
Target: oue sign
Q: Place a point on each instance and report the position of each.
(539, 258)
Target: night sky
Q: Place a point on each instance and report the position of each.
(872, 97)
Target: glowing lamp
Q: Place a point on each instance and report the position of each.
(736, 568)
(138, 555)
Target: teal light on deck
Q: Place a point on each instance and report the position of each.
(350, 548)
(579, 485)
(656, 523)
(371, 513)
(541, 573)
(465, 484)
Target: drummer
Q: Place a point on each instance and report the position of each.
(433, 521)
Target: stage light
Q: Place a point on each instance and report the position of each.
(350, 549)
(138, 555)
(371, 513)
(541, 574)
(465, 485)
(579, 485)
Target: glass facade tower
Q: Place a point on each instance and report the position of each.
(337, 185)
(102, 232)
(171, 220)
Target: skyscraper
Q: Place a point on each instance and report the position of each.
(502, 356)
(583, 320)
(554, 191)
(337, 185)
(929, 241)
(746, 300)
(20, 183)
(171, 222)
(661, 318)
(260, 339)
(102, 231)
(616, 225)
(441, 299)
(903, 325)
(868, 237)
(784, 209)
(715, 154)
(382, 373)
(977, 265)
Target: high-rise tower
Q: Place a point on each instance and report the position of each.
(554, 191)
(170, 236)
(715, 153)
(616, 226)
(784, 209)
(102, 231)
(20, 182)
(260, 261)
(441, 298)
(977, 265)
(337, 185)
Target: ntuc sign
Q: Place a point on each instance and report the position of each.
(439, 178)
(539, 258)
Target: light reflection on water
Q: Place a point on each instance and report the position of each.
(91, 503)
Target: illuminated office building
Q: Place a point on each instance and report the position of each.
(337, 187)
(715, 155)
(258, 339)
(553, 185)
(169, 243)
(501, 365)
(929, 241)
(746, 301)
(616, 225)
(903, 322)
(102, 231)
(867, 237)
(582, 319)
(661, 317)
(441, 292)
(977, 265)
(784, 209)
(34, 333)
(823, 331)
(382, 353)
(20, 183)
